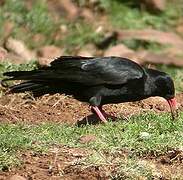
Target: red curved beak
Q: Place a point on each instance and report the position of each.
(173, 107)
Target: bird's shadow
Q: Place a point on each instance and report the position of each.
(91, 119)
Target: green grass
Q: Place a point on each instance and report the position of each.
(129, 15)
(6, 66)
(26, 23)
(163, 134)
(39, 20)
(127, 168)
(80, 34)
(139, 44)
(122, 14)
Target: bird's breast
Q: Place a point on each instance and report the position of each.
(125, 93)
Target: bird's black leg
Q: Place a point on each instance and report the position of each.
(99, 113)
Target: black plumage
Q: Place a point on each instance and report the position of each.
(96, 80)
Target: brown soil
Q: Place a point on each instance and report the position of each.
(64, 162)
(59, 163)
(64, 109)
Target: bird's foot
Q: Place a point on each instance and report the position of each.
(97, 111)
(103, 116)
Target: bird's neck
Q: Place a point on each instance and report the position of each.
(150, 88)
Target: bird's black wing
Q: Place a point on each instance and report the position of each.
(95, 71)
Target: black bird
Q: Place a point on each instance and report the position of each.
(96, 80)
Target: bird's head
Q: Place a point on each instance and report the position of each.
(161, 84)
(166, 89)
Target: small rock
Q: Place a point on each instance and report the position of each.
(152, 35)
(17, 177)
(144, 135)
(87, 139)
(44, 61)
(71, 9)
(63, 28)
(99, 29)
(118, 50)
(50, 51)
(85, 53)
(121, 50)
(20, 49)
(47, 54)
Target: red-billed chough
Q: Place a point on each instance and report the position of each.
(96, 80)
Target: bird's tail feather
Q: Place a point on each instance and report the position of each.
(26, 86)
(39, 82)
(35, 81)
(37, 75)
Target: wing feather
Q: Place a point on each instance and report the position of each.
(95, 71)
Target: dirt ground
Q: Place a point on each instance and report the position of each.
(64, 109)
(64, 162)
